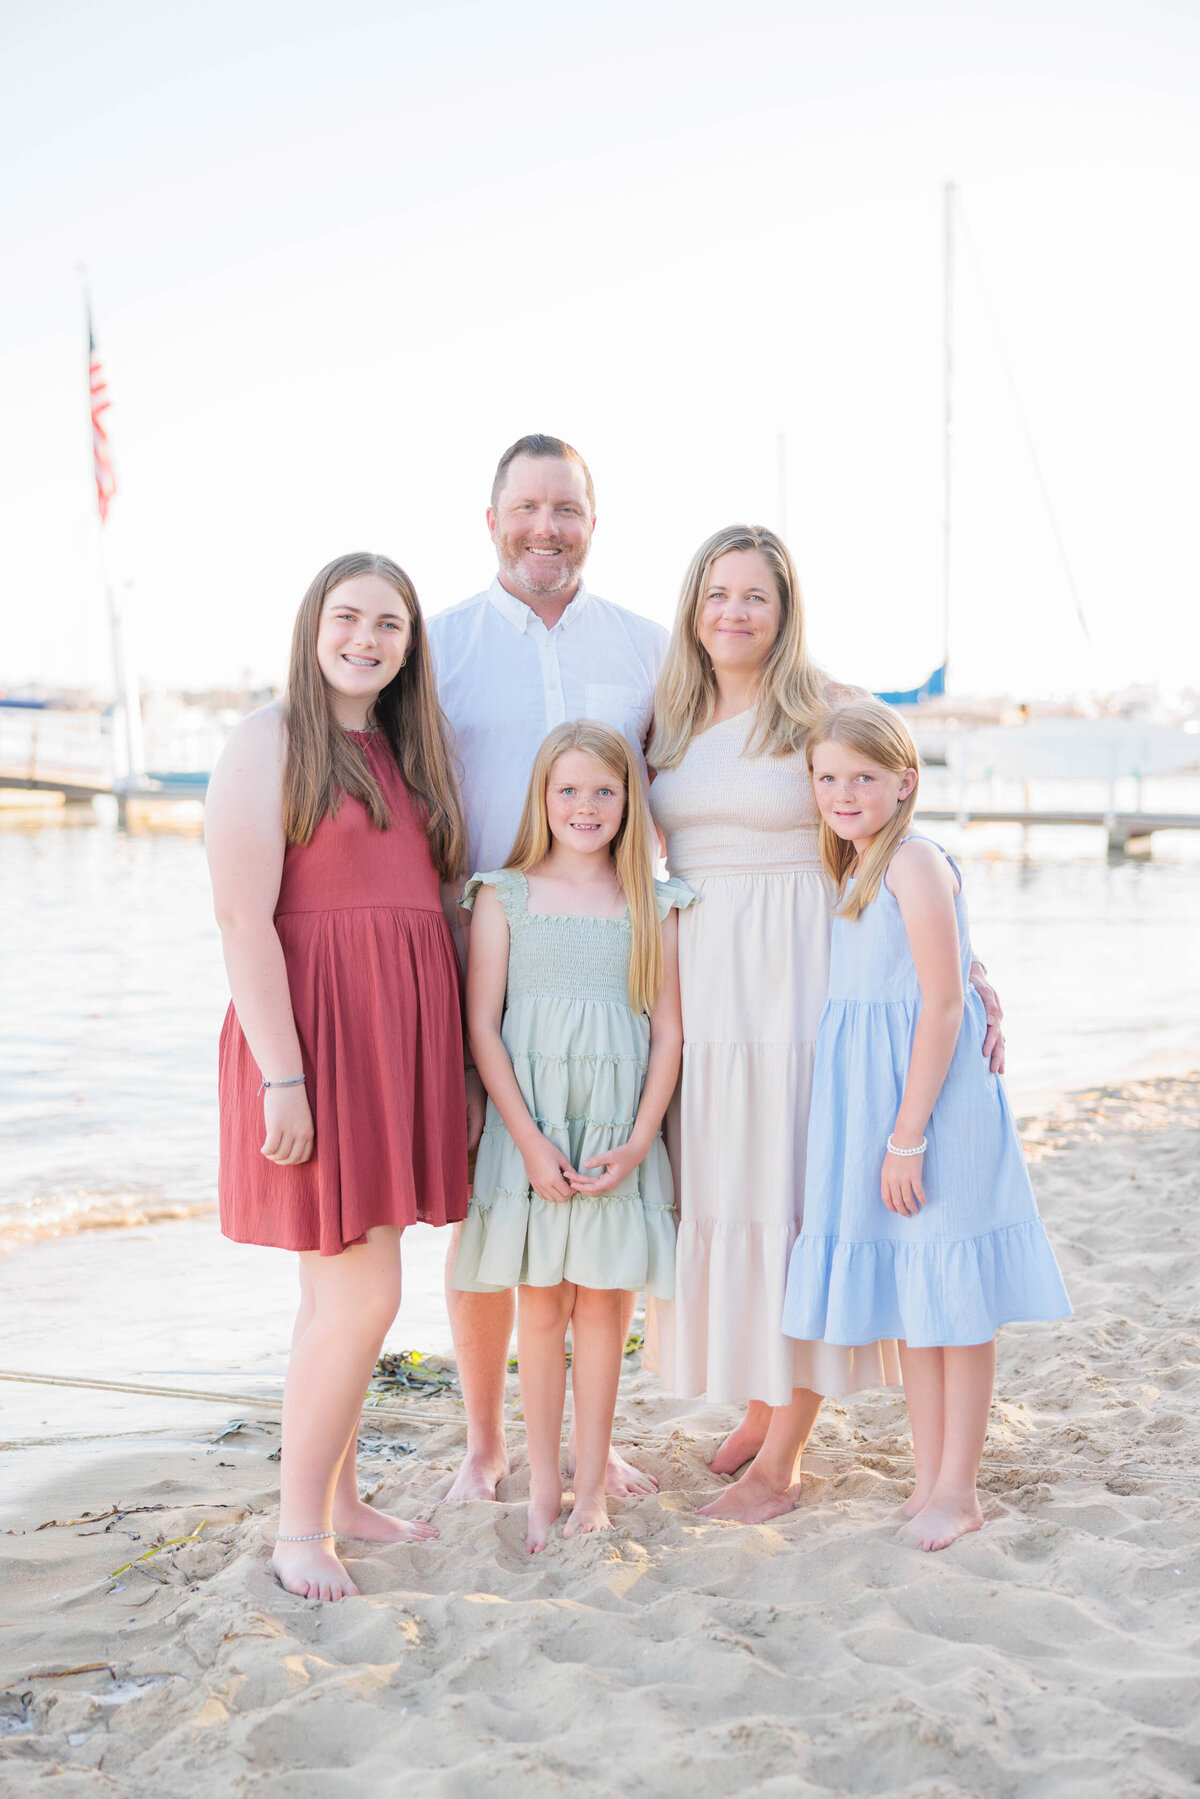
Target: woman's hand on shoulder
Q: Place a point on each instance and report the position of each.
(290, 1134)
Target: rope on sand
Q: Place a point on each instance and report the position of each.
(843, 1461)
(260, 1402)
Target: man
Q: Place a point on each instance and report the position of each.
(532, 651)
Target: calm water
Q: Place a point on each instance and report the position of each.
(112, 994)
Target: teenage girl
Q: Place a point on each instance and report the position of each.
(919, 1219)
(573, 1010)
(331, 816)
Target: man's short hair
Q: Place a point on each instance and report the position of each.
(539, 444)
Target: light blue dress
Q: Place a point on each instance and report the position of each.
(580, 1053)
(976, 1256)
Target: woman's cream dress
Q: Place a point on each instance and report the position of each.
(753, 966)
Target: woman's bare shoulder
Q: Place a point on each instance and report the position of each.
(254, 751)
(266, 724)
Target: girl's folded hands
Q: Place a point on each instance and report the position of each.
(549, 1172)
(615, 1166)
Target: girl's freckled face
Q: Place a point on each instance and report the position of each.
(856, 797)
(585, 802)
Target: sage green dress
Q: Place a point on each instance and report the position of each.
(579, 1052)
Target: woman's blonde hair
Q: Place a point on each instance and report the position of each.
(631, 848)
(792, 690)
(324, 763)
(872, 730)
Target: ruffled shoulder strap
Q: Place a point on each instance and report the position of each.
(510, 891)
(673, 893)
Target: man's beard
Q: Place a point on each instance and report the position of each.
(549, 577)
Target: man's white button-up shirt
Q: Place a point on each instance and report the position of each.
(504, 681)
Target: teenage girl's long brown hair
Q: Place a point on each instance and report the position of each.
(793, 689)
(633, 857)
(873, 731)
(324, 763)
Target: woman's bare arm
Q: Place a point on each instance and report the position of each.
(243, 830)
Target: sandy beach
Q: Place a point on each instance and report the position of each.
(1051, 1654)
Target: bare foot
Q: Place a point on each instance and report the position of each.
(916, 1502)
(478, 1478)
(312, 1570)
(621, 1479)
(942, 1523)
(752, 1500)
(740, 1446)
(544, 1508)
(588, 1514)
(362, 1520)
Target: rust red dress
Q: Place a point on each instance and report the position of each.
(376, 996)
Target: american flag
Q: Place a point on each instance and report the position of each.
(106, 478)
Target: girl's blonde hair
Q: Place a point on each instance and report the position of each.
(633, 856)
(793, 688)
(324, 763)
(876, 732)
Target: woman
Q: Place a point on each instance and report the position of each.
(732, 796)
(330, 818)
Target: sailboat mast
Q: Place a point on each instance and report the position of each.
(948, 412)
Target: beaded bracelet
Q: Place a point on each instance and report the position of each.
(316, 1536)
(918, 1149)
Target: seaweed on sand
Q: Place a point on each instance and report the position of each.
(410, 1371)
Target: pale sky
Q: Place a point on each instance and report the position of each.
(342, 256)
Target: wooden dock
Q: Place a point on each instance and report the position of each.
(58, 752)
(1122, 828)
(76, 786)
(81, 787)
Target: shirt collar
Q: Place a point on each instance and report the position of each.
(519, 614)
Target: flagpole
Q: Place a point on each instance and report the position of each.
(126, 696)
(948, 411)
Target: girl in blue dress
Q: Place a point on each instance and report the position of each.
(919, 1219)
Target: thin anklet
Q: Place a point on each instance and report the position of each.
(316, 1536)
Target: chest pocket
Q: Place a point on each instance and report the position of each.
(627, 709)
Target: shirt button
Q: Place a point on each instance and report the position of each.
(554, 686)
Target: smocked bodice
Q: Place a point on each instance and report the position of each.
(725, 813)
(563, 956)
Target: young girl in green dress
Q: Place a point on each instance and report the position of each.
(573, 1010)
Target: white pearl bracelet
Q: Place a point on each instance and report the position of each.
(918, 1149)
(316, 1536)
